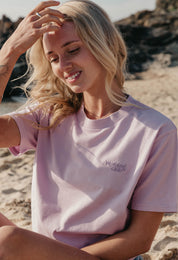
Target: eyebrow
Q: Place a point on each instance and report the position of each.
(67, 43)
(64, 45)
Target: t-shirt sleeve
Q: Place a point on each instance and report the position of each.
(26, 121)
(157, 188)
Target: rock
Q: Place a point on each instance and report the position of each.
(135, 38)
(167, 5)
(151, 36)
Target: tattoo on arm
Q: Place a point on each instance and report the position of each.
(3, 73)
(3, 69)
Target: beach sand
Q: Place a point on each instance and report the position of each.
(157, 88)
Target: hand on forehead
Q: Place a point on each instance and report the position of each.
(55, 39)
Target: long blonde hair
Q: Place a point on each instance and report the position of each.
(100, 36)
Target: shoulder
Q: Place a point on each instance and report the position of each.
(33, 114)
(149, 117)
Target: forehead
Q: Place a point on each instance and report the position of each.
(66, 33)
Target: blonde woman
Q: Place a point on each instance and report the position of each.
(106, 165)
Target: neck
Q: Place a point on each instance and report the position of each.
(99, 116)
(98, 105)
(99, 108)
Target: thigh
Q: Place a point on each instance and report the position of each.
(5, 221)
(24, 244)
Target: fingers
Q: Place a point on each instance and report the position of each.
(43, 15)
(50, 27)
(33, 26)
(48, 16)
(48, 19)
(48, 11)
(44, 5)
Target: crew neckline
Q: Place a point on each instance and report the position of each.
(105, 122)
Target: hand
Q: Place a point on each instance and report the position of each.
(34, 26)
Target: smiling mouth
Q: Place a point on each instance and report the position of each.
(73, 77)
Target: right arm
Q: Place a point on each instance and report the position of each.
(9, 133)
(8, 59)
(26, 34)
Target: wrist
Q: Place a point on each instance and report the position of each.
(9, 52)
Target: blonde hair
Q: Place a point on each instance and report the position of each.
(100, 36)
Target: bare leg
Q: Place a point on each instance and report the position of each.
(20, 244)
(5, 221)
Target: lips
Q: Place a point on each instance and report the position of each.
(73, 76)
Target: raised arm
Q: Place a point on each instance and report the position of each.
(27, 33)
(9, 133)
(8, 59)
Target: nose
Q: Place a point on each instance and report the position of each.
(64, 64)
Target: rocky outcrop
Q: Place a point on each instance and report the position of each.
(166, 5)
(151, 36)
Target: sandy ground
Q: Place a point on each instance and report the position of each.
(157, 88)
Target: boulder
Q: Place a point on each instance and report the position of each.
(150, 35)
(167, 5)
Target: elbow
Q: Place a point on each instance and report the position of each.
(144, 246)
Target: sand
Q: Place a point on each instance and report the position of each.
(157, 88)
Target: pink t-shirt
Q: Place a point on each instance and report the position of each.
(88, 174)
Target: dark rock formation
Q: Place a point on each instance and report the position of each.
(152, 35)
(167, 5)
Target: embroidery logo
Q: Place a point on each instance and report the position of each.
(116, 166)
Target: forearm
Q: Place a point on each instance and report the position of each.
(118, 247)
(8, 59)
(135, 240)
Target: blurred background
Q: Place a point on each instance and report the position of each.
(149, 28)
(117, 9)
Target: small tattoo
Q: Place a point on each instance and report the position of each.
(3, 69)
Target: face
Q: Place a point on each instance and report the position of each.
(72, 62)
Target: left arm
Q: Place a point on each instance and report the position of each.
(135, 240)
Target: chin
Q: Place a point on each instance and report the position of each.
(76, 89)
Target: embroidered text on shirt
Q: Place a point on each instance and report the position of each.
(115, 166)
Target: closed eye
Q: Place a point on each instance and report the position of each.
(53, 59)
(73, 51)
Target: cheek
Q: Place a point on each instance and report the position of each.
(56, 71)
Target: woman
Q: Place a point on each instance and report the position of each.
(103, 160)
